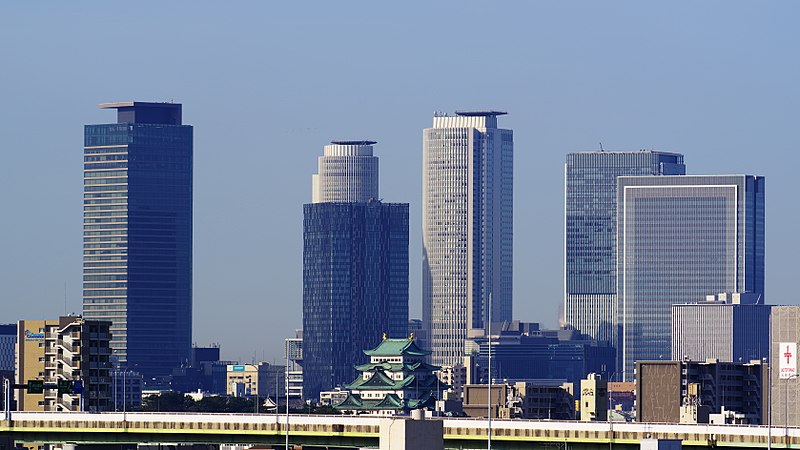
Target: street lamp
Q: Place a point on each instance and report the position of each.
(786, 404)
(769, 402)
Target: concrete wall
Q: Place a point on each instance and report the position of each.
(658, 391)
(410, 434)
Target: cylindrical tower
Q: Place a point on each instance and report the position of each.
(347, 172)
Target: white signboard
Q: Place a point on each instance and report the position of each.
(787, 354)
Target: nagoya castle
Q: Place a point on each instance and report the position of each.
(396, 380)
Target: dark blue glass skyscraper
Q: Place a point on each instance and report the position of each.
(137, 234)
(590, 208)
(355, 286)
(355, 266)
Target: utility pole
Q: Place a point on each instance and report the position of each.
(489, 367)
(286, 393)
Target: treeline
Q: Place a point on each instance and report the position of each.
(175, 402)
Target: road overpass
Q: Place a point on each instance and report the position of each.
(364, 431)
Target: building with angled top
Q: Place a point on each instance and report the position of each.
(680, 238)
(467, 228)
(137, 234)
(394, 381)
(355, 279)
(590, 224)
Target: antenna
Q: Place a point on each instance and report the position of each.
(601, 147)
(65, 297)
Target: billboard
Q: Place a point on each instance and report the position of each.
(787, 355)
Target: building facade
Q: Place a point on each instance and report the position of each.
(347, 173)
(680, 238)
(467, 228)
(294, 355)
(137, 234)
(127, 388)
(520, 400)
(8, 342)
(355, 286)
(785, 391)
(727, 327)
(594, 398)
(257, 380)
(521, 351)
(663, 389)
(69, 349)
(590, 225)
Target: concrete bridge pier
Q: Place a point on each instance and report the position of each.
(402, 433)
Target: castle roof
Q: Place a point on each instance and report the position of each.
(397, 367)
(397, 347)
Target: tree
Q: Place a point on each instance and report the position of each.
(168, 402)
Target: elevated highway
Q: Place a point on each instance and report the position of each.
(364, 431)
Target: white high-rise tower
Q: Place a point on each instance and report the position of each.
(467, 229)
(347, 172)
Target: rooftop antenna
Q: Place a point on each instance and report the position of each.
(601, 147)
(65, 297)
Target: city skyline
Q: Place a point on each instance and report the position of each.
(715, 82)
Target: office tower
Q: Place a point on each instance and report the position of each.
(137, 234)
(467, 206)
(347, 172)
(355, 284)
(784, 394)
(590, 227)
(727, 327)
(679, 239)
(67, 349)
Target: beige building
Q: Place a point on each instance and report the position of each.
(522, 400)
(256, 380)
(70, 350)
(594, 398)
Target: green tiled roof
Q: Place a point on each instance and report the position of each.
(351, 401)
(397, 367)
(379, 381)
(391, 401)
(397, 347)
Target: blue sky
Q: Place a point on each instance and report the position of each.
(267, 84)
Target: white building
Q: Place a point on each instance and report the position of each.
(727, 327)
(467, 205)
(347, 172)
